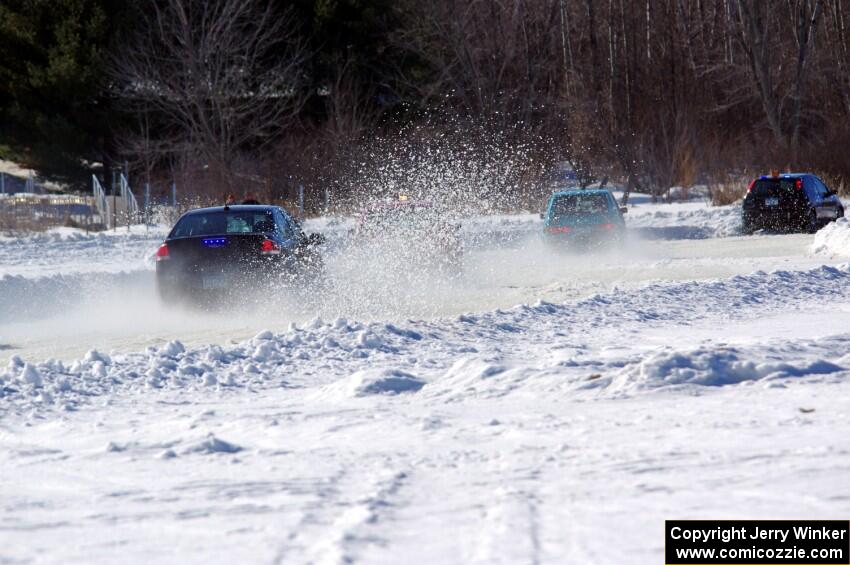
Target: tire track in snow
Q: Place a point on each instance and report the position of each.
(510, 532)
(343, 526)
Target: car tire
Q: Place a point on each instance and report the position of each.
(169, 294)
(812, 224)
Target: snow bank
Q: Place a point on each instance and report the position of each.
(473, 377)
(65, 251)
(722, 366)
(211, 445)
(67, 234)
(382, 381)
(833, 239)
(489, 354)
(689, 220)
(372, 382)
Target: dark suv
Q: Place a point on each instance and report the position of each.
(789, 202)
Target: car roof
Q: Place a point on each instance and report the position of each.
(234, 207)
(785, 176)
(585, 191)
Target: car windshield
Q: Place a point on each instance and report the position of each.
(579, 204)
(216, 223)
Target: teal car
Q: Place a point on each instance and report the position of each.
(583, 218)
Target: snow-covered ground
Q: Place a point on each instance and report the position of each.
(541, 408)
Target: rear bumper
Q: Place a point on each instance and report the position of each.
(585, 231)
(780, 220)
(585, 238)
(178, 280)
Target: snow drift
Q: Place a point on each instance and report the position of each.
(833, 239)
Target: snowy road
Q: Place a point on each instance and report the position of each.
(542, 409)
(62, 316)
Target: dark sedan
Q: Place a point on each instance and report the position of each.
(211, 251)
(789, 202)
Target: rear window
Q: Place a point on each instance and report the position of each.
(578, 204)
(216, 223)
(770, 187)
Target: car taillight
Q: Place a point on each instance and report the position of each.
(162, 253)
(558, 229)
(606, 226)
(799, 184)
(269, 247)
(752, 184)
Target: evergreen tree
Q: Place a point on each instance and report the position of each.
(53, 115)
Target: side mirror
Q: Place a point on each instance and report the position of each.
(315, 239)
(623, 210)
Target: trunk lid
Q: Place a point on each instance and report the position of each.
(216, 252)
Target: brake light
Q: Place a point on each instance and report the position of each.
(752, 184)
(799, 184)
(558, 229)
(269, 247)
(606, 226)
(162, 253)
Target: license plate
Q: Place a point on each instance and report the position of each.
(771, 202)
(828, 213)
(213, 282)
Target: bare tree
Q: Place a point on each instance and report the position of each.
(840, 55)
(499, 60)
(753, 21)
(650, 93)
(221, 77)
(349, 104)
(805, 19)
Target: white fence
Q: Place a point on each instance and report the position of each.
(117, 209)
(131, 204)
(100, 201)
